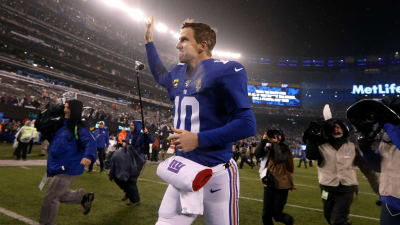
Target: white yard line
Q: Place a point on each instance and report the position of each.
(312, 209)
(290, 205)
(313, 187)
(24, 167)
(17, 216)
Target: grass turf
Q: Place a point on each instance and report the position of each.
(19, 193)
(6, 152)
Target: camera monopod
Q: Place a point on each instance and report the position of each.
(138, 67)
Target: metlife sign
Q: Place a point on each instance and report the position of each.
(378, 89)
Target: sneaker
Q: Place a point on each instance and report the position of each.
(86, 202)
(132, 203)
(124, 198)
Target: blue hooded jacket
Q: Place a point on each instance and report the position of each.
(102, 137)
(140, 138)
(64, 155)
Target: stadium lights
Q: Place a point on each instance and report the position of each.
(138, 15)
(227, 54)
(161, 27)
(115, 4)
(174, 34)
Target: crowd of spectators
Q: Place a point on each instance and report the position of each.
(21, 93)
(74, 54)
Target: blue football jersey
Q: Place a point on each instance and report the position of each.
(203, 101)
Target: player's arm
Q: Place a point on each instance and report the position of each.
(243, 125)
(107, 139)
(160, 73)
(236, 102)
(394, 134)
(90, 146)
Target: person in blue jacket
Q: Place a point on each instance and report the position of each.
(71, 148)
(103, 141)
(302, 158)
(135, 141)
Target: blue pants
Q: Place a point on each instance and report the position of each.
(389, 215)
(303, 159)
(130, 188)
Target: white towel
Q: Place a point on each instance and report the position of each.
(192, 202)
(184, 174)
(263, 168)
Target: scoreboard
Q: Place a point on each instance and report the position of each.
(274, 94)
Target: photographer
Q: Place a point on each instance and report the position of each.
(72, 146)
(379, 124)
(278, 179)
(327, 142)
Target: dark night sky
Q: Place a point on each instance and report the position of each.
(289, 28)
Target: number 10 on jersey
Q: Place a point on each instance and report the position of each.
(187, 114)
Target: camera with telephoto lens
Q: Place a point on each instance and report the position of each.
(318, 131)
(54, 111)
(50, 121)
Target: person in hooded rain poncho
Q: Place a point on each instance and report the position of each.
(128, 161)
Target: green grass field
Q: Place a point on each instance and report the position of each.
(19, 193)
(6, 152)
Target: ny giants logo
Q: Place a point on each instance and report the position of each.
(175, 166)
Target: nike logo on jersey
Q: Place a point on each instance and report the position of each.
(237, 70)
(213, 191)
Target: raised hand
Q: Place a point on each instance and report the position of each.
(148, 36)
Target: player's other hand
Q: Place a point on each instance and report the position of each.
(184, 140)
(148, 36)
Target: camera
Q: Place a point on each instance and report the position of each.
(318, 131)
(53, 111)
(50, 121)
